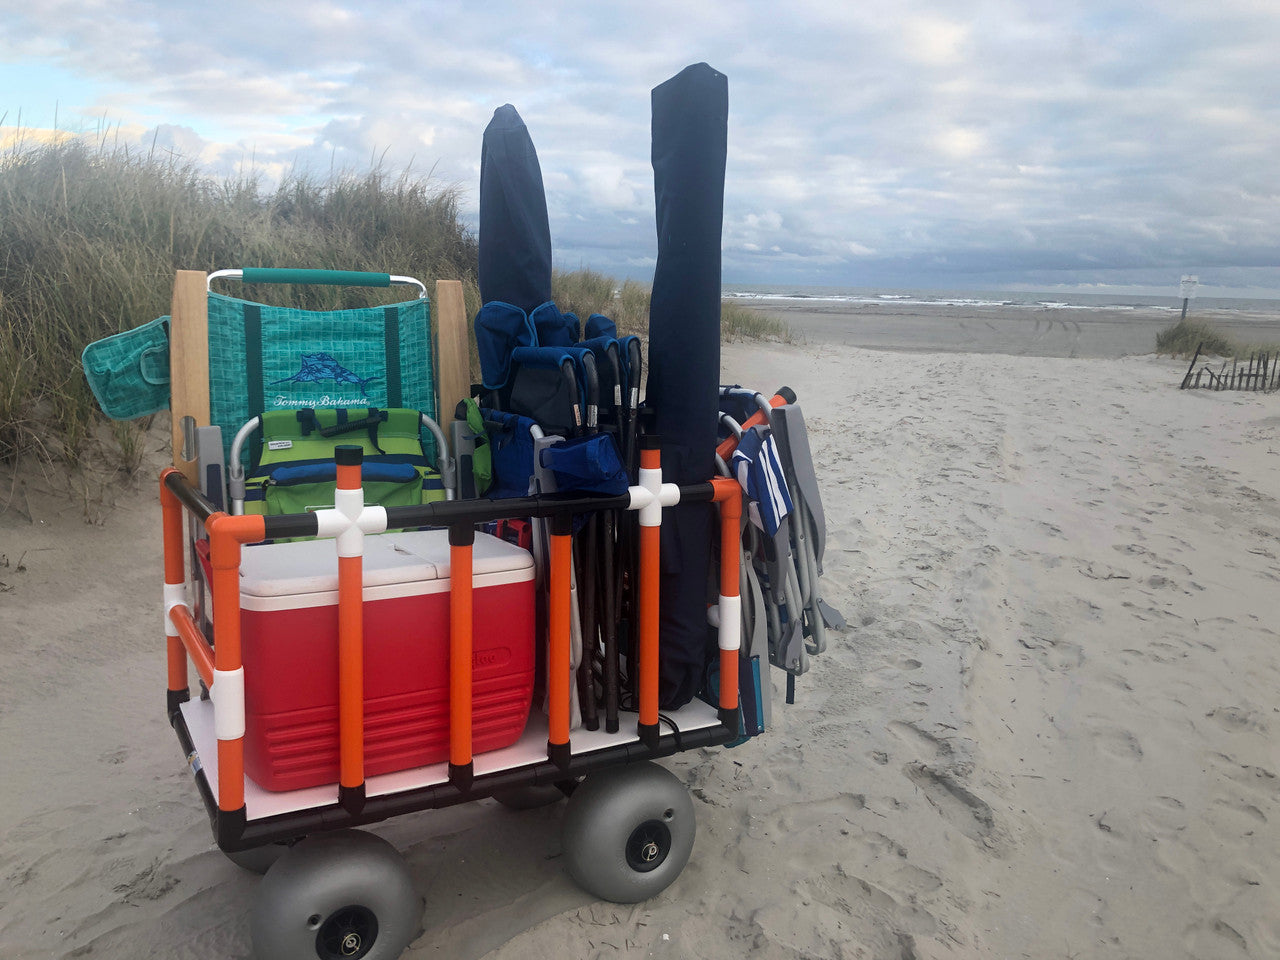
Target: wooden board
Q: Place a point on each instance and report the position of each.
(453, 356)
(188, 365)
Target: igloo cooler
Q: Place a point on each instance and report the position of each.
(289, 603)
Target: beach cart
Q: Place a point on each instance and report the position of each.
(399, 593)
(358, 660)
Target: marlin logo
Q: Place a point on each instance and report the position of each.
(319, 367)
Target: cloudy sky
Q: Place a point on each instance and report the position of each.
(990, 145)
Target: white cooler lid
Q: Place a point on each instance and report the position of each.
(311, 566)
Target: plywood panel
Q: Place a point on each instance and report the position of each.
(188, 365)
(453, 361)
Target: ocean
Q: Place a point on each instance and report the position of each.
(1056, 300)
(1050, 324)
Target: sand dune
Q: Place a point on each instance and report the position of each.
(1049, 731)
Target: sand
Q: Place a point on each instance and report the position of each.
(1049, 732)
(1022, 330)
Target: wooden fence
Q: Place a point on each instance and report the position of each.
(1261, 373)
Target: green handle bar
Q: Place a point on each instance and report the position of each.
(338, 278)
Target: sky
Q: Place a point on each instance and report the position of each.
(1071, 145)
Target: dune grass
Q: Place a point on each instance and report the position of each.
(586, 291)
(1185, 336)
(739, 322)
(91, 234)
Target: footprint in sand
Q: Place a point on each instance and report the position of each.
(1245, 817)
(961, 808)
(1163, 818)
(923, 745)
(1236, 719)
(1253, 778)
(1057, 655)
(1116, 743)
(1215, 938)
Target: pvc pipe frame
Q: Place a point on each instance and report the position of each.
(221, 668)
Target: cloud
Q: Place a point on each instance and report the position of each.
(874, 140)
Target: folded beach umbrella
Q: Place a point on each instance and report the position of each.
(515, 239)
(690, 132)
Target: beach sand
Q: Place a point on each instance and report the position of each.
(1022, 330)
(1049, 731)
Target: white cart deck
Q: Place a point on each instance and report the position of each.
(528, 751)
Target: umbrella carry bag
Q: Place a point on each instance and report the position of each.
(295, 470)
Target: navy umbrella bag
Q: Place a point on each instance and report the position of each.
(515, 237)
(690, 133)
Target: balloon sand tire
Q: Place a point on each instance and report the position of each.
(628, 832)
(258, 859)
(338, 896)
(529, 797)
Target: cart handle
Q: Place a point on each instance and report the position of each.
(337, 278)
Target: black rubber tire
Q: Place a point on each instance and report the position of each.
(530, 797)
(340, 896)
(258, 859)
(628, 832)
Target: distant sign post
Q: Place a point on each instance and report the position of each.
(1188, 291)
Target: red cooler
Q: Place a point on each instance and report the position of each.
(289, 599)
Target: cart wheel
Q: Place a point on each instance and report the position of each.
(259, 859)
(529, 797)
(628, 832)
(339, 896)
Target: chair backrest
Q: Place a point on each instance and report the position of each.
(233, 359)
(265, 358)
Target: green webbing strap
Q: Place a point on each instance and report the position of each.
(391, 335)
(253, 355)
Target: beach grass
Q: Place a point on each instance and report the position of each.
(91, 233)
(1185, 337)
(739, 322)
(585, 291)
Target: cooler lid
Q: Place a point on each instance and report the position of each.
(311, 566)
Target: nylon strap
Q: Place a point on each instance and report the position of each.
(391, 337)
(253, 356)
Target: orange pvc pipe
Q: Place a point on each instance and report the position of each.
(231, 774)
(174, 574)
(177, 663)
(460, 642)
(350, 653)
(174, 552)
(348, 476)
(226, 535)
(559, 670)
(730, 444)
(650, 548)
(728, 493)
(193, 642)
(350, 671)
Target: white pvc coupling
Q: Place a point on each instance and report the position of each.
(349, 521)
(651, 496)
(175, 595)
(227, 694)
(730, 617)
